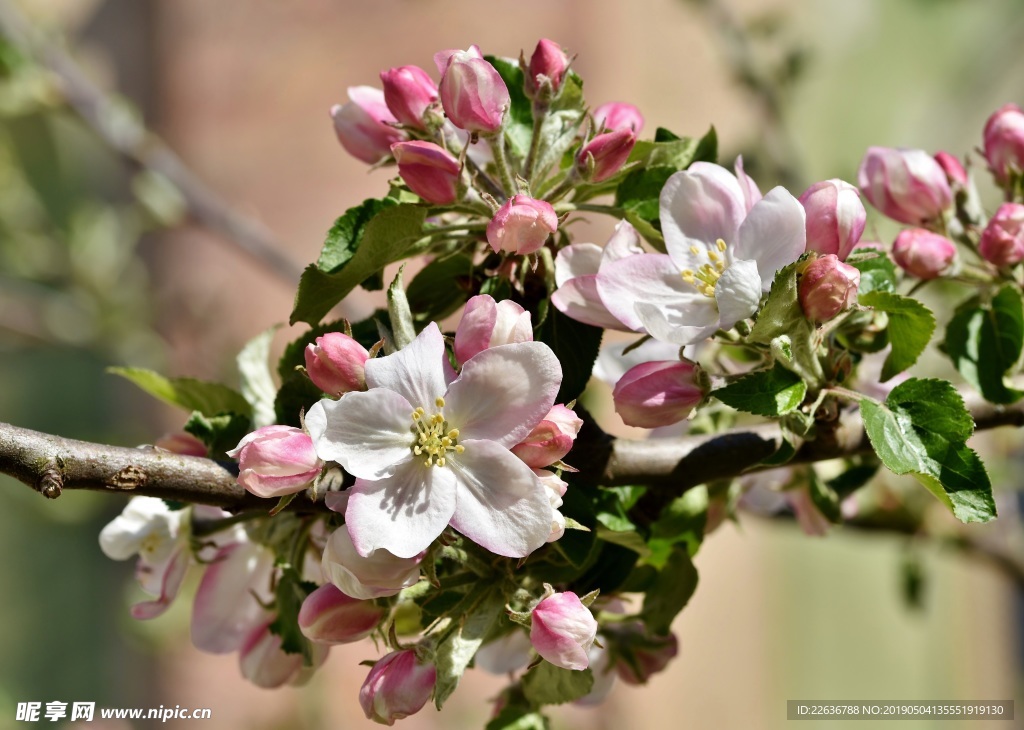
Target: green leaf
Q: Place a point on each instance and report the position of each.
(220, 433)
(670, 592)
(398, 312)
(291, 592)
(682, 521)
(519, 121)
(824, 497)
(922, 429)
(388, 236)
(877, 272)
(258, 387)
(441, 287)
(188, 393)
(547, 684)
(769, 393)
(296, 395)
(910, 329)
(782, 321)
(343, 238)
(576, 345)
(984, 343)
(456, 651)
(516, 717)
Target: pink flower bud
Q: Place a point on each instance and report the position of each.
(378, 574)
(1002, 241)
(335, 363)
(655, 394)
(276, 460)
(181, 443)
(551, 439)
(922, 253)
(329, 616)
(955, 172)
(397, 686)
(827, 287)
(562, 631)
(363, 125)
(548, 61)
(639, 654)
(609, 153)
(473, 94)
(264, 663)
(486, 323)
(521, 225)
(835, 217)
(906, 185)
(1004, 142)
(429, 170)
(408, 91)
(616, 115)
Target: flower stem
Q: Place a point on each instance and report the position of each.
(540, 113)
(497, 143)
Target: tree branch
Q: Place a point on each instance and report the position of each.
(123, 132)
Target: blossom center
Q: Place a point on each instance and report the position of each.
(432, 437)
(707, 275)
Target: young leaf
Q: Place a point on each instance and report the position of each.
(782, 317)
(343, 238)
(922, 429)
(515, 717)
(769, 393)
(456, 651)
(220, 433)
(877, 272)
(576, 345)
(671, 591)
(519, 122)
(398, 312)
(682, 521)
(257, 384)
(386, 237)
(441, 287)
(188, 393)
(291, 592)
(296, 395)
(547, 684)
(910, 329)
(984, 343)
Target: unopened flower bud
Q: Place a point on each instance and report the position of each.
(922, 253)
(181, 443)
(429, 170)
(639, 654)
(827, 287)
(408, 92)
(378, 574)
(264, 663)
(954, 169)
(486, 323)
(336, 363)
(1002, 241)
(655, 394)
(329, 616)
(473, 94)
(548, 61)
(835, 217)
(906, 185)
(397, 686)
(363, 125)
(551, 439)
(1004, 142)
(616, 115)
(521, 225)
(276, 460)
(607, 153)
(562, 630)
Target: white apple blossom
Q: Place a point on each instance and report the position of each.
(429, 449)
(724, 250)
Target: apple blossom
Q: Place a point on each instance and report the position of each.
(181, 443)
(720, 260)
(363, 125)
(956, 175)
(835, 217)
(547, 62)
(616, 115)
(562, 630)
(827, 287)
(408, 92)
(429, 449)
(1004, 142)
(908, 186)
(264, 663)
(486, 323)
(160, 537)
(922, 253)
(551, 439)
(605, 154)
(276, 460)
(378, 574)
(659, 393)
(508, 653)
(335, 363)
(522, 225)
(472, 92)
(329, 616)
(1002, 241)
(555, 487)
(397, 686)
(429, 170)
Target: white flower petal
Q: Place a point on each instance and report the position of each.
(624, 242)
(578, 298)
(774, 234)
(651, 278)
(738, 293)
(579, 259)
(699, 206)
(500, 503)
(686, 324)
(367, 433)
(225, 611)
(403, 513)
(417, 372)
(503, 392)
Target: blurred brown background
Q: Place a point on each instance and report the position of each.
(240, 89)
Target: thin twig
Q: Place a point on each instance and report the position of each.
(122, 131)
